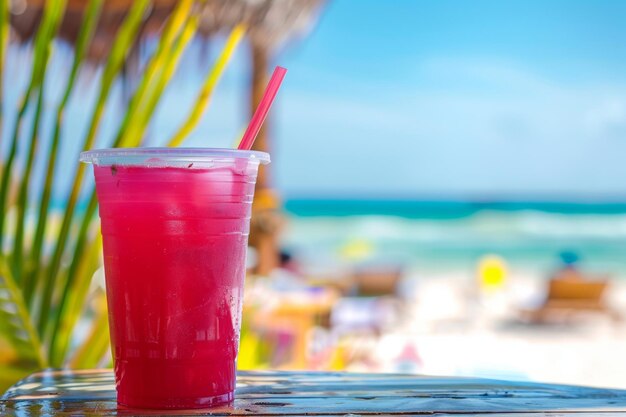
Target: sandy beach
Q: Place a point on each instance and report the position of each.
(450, 328)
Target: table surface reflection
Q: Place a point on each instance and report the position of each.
(92, 392)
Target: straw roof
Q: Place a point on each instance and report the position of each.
(270, 22)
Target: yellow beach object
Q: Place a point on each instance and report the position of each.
(492, 272)
(357, 249)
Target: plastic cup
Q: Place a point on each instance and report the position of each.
(175, 226)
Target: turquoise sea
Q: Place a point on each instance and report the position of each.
(453, 235)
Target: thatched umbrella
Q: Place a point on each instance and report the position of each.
(270, 23)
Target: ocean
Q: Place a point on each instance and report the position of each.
(455, 235)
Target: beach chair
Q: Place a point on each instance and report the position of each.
(377, 281)
(568, 297)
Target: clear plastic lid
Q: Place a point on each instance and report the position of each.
(168, 157)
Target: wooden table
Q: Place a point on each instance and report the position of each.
(70, 393)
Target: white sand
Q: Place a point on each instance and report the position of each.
(454, 330)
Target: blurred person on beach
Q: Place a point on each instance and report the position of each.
(569, 269)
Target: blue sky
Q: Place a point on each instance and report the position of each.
(481, 98)
(414, 99)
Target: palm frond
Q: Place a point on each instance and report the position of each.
(74, 293)
(156, 62)
(53, 13)
(136, 130)
(85, 37)
(44, 41)
(122, 45)
(16, 323)
(4, 41)
(22, 197)
(204, 97)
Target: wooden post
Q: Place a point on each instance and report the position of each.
(257, 88)
(265, 217)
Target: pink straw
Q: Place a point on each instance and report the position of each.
(264, 107)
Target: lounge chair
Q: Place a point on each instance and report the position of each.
(568, 297)
(376, 281)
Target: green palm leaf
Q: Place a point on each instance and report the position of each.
(204, 97)
(136, 130)
(53, 13)
(170, 34)
(85, 36)
(45, 42)
(75, 291)
(15, 321)
(124, 42)
(4, 40)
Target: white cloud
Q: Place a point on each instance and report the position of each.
(608, 117)
(475, 126)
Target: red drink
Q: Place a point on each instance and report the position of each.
(175, 231)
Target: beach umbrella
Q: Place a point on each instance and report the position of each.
(270, 22)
